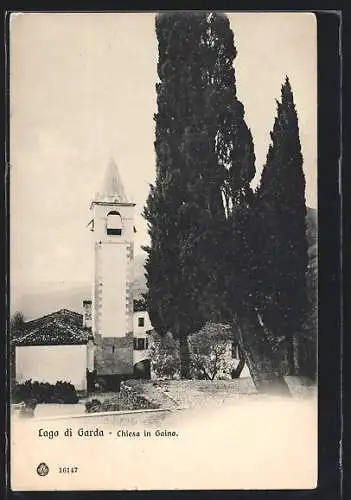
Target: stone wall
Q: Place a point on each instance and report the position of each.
(114, 355)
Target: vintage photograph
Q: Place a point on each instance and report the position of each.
(163, 251)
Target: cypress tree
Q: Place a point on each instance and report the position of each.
(198, 265)
(171, 206)
(220, 152)
(235, 283)
(282, 250)
(203, 148)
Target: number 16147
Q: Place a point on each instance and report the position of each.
(68, 470)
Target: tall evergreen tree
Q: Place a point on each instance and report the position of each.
(282, 250)
(218, 150)
(203, 147)
(169, 206)
(234, 150)
(198, 211)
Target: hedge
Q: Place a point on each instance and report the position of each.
(43, 392)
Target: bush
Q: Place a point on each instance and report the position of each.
(164, 353)
(93, 406)
(209, 349)
(27, 408)
(43, 392)
(126, 399)
(30, 404)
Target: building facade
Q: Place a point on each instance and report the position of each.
(55, 347)
(113, 325)
(109, 341)
(141, 354)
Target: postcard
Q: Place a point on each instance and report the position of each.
(163, 267)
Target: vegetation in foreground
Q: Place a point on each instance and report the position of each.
(218, 250)
(43, 392)
(127, 399)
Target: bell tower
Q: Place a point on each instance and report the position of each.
(112, 226)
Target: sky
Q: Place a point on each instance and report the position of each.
(82, 90)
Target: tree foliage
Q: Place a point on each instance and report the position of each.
(17, 325)
(275, 233)
(209, 351)
(282, 250)
(204, 151)
(43, 392)
(219, 252)
(164, 354)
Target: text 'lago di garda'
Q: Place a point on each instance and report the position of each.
(98, 432)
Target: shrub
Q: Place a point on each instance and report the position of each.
(209, 352)
(126, 399)
(30, 404)
(43, 392)
(64, 392)
(164, 353)
(93, 406)
(27, 409)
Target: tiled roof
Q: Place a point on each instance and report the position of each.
(62, 327)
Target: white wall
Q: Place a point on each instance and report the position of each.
(245, 372)
(114, 269)
(87, 314)
(140, 356)
(140, 331)
(100, 211)
(90, 355)
(112, 273)
(67, 363)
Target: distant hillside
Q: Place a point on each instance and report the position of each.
(312, 271)
(139, 284)
(52, 297)
(312, 237)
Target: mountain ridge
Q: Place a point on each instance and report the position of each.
(50, 297)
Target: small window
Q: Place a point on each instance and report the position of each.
(114, 223)
(141, 321)
(114, 232)
(140, 344)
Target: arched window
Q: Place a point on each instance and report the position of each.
(114, 223)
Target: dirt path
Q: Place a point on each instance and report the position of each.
(171, 394)
(155, 393)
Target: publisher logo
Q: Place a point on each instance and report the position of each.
(42, 469)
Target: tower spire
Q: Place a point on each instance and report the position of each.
(112, 188)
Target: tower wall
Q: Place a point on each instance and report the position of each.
(112, 293)
(87, 304)
(112, 289)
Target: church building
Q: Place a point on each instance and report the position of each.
(119, 334)
(109, 341)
